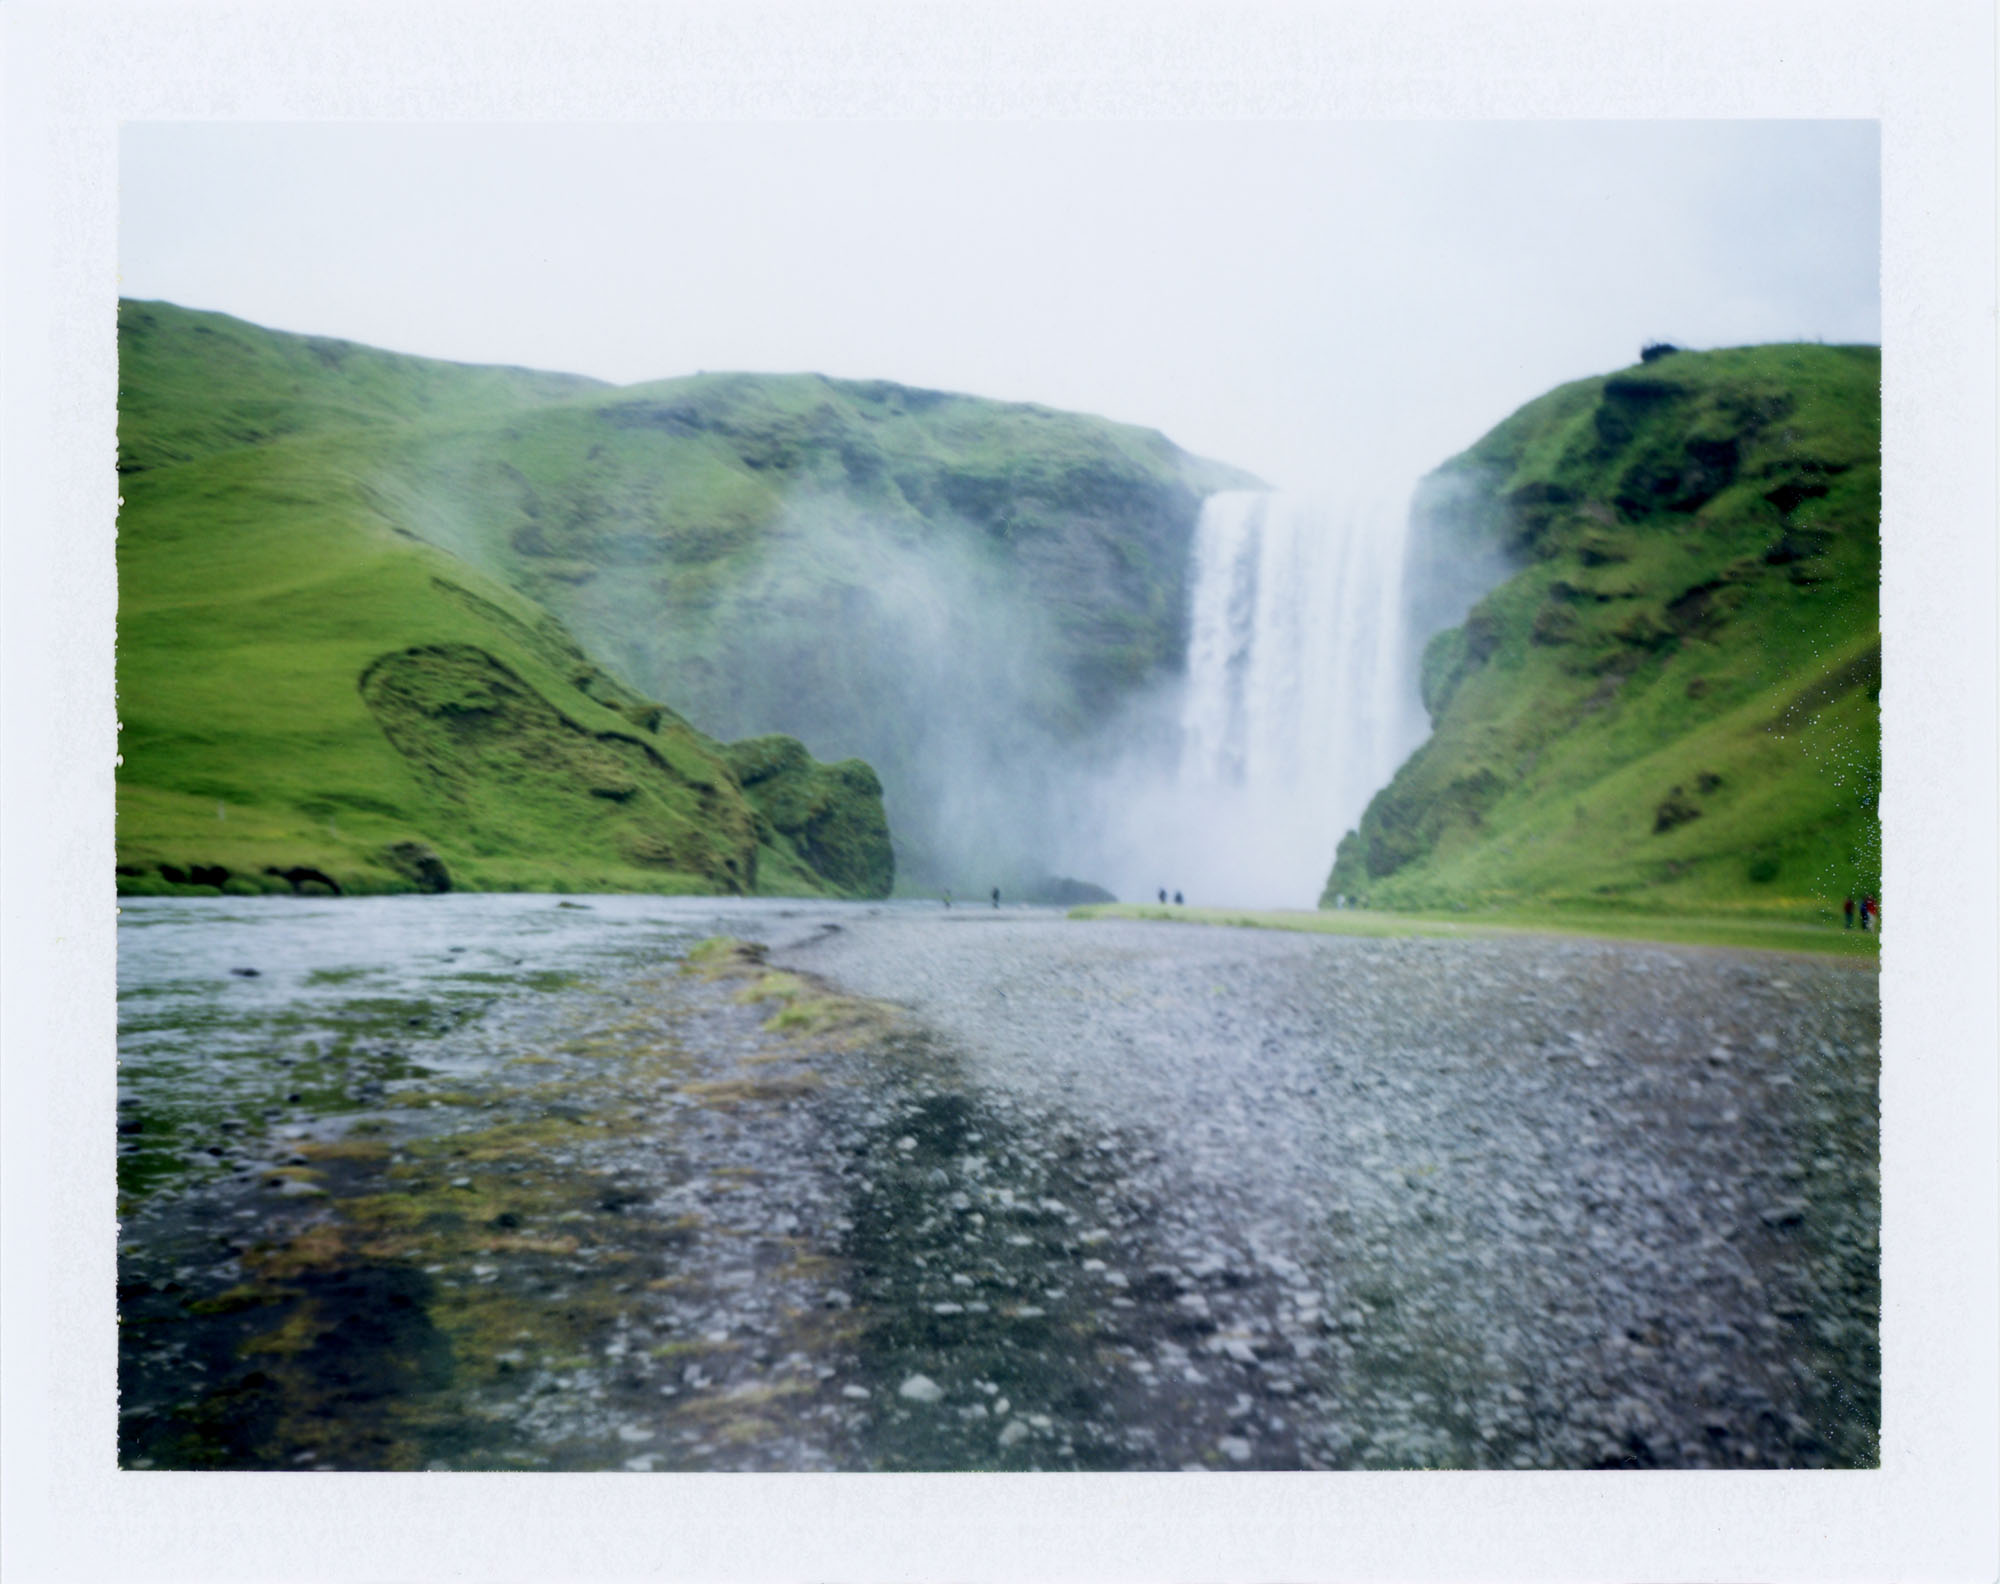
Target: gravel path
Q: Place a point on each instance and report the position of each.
(1306, 1201)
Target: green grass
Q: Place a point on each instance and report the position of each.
(1673, 701)
(717, 541)
(304, 683)
(723, 540)
(1740, 932)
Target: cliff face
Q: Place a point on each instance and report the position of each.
(314, 698)
(1668, 696)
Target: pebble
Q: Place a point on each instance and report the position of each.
(921, 1388)
(1377, 1120)
(1352, 1185)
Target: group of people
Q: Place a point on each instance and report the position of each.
(996, 897)
(1871, 910)
(1163, 897)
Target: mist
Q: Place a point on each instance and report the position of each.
(915, 652)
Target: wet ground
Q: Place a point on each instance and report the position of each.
(508, 1182)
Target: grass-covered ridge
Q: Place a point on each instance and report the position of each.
(1734, 931)
(957, 590)
(948, 587)
(311, 695)
(1672, 704)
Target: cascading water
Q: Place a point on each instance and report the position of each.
(1299, 704)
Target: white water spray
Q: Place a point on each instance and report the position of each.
(1299, 702)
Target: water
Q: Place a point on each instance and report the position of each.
(1299, 703)
(230, 1009)
(501, 1182)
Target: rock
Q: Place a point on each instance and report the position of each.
(921, 1388)
(1012, 1432)
(1235, 1448)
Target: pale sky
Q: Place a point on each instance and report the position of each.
(1317, 302)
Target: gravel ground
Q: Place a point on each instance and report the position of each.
(1336, 1202)
(1083, 1196)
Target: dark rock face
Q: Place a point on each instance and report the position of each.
(306, 880)
(419, 865)
(1058, 891)
(1675, 809)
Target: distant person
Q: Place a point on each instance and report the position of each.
(947, 901)
(996, 896)
(1163, 896)
(1177, 899)
(1869, 911)
(1847, 909)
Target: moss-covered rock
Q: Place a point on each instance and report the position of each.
(830, 816)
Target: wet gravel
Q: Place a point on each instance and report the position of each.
(1405, 1203)
(978, 1189)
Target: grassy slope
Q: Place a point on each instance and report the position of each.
(260, 580)
(1732, 931)
(743, 508)
(1673, 704)
(768, 552)
(949, 587)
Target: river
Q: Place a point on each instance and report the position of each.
(538, 1183)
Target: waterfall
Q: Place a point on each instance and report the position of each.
(1299, 702)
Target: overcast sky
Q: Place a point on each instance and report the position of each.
(1321, 303)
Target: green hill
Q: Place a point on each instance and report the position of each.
(960, 591)
(1671, 701)
(310, 695)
